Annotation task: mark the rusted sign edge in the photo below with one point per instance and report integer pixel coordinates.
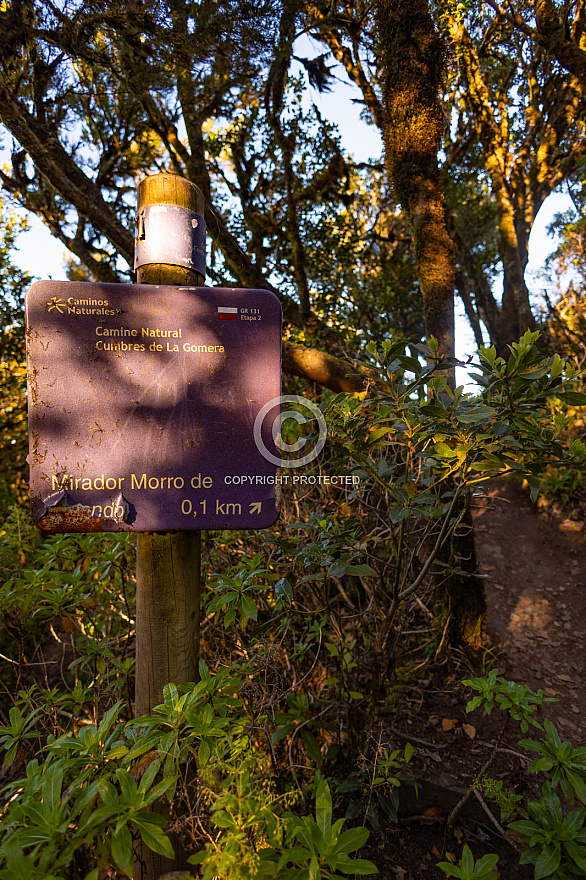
(58, 514)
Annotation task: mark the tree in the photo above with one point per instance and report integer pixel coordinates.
(98, 96)
(560, 31)
(13, 429)
(525, 115)
(411, 59)
(513, 129)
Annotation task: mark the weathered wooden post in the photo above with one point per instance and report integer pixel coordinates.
(167, 563)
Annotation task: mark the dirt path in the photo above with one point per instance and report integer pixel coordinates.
(536, 592)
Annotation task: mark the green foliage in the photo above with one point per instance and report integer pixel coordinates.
(13, 428)
(13, 283)
(298, 614)
(556, 845)
(425, 448)
(322, 847)
(555, 841)
(506, 799)
(507, 428)
(516, 699)
(566, 765)
(375, 787)
(469, 869)
(255, 838)
(12, 737)
(232, 592)
(89, 799)
(77, 585)
(317, 848)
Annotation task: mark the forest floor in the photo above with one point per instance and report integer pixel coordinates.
(535, 563)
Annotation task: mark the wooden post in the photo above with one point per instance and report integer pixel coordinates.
(168, 563)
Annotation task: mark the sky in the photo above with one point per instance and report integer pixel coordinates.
(44, 257)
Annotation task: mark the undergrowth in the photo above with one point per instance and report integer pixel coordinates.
(275, 762)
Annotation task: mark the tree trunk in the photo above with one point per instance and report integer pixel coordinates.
(515, 314)
(412, 57)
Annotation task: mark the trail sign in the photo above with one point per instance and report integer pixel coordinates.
(142, 406)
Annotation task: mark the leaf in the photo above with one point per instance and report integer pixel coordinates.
(52, 787)
(284, 590)
(312, 747)
(282, 731)
(148, 777)
(527, 828)
(127, 787)
(222, 819)
(117, 752)
(323, 807)
(396, 514)
(467, 860)
(314, 871)
(108, 720)
(450, 870)
(152, 834)
(170, 693)
(486, 864)
(474, 703)
(40, 814)
(338, 568)
(122, 850)
(364, 570)
(577, 784)
(577, 853)
(547, 862)
(349, 785)
(574, 398)
(361, 866)
(469, 730)
(535, 485)
(411, 364)
(448, 724)
(204, 753)
(108, 793)
(444, 451)
(352, 839)
(378, 433)
(248, 606)
(539, 372)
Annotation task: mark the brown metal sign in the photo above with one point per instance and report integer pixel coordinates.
(142, 406)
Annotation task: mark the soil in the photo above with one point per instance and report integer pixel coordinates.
(536, 585)
(534, 562)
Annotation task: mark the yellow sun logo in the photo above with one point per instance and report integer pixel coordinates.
(57, 303)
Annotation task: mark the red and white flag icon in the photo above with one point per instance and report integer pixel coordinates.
(225, 313)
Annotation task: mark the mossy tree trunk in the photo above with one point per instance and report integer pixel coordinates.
(412, 61)
(411, 55)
